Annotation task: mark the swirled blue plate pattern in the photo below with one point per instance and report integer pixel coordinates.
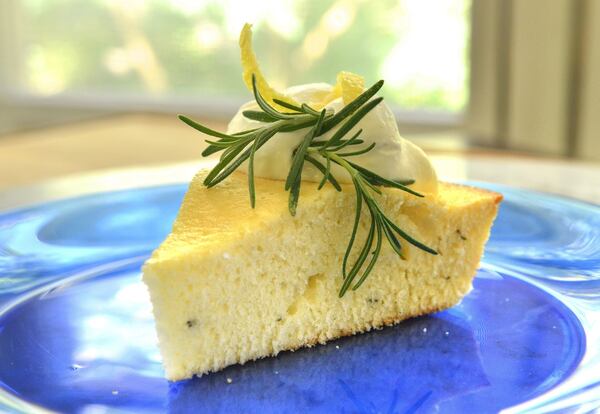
(77, 335)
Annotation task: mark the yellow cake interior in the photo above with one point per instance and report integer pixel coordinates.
(232, 284)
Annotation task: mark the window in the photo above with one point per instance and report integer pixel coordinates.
(186, 50)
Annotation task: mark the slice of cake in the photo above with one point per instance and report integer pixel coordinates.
(232, 284)
(345, 229)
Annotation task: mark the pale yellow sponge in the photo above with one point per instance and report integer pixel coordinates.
(232, 284)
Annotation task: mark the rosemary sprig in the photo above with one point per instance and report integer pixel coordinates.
(338, 149)
(365, 186)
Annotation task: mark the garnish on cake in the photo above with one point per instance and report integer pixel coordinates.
(232, 283)
(279, 114)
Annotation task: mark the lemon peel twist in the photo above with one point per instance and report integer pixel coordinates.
(348, 85)
(250, 67)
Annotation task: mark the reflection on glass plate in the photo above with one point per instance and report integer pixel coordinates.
(77, 335)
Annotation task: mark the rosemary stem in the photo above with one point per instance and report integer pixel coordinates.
(239, 147)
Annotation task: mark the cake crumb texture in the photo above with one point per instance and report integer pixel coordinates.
(232, 284)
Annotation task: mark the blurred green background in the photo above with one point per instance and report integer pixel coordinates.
(187, 48)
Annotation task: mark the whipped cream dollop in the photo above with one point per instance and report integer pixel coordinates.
(393, 157)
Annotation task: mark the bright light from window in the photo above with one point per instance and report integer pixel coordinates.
(188, 48)
(208, 36)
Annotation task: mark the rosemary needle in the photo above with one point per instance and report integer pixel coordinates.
(338, 149)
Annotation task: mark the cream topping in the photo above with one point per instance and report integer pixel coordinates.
(393, 156)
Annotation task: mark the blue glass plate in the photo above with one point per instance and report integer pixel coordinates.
(77, 335)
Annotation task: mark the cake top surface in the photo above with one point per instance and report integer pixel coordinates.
(214, 218)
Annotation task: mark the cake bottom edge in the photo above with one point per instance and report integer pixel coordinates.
(318, 339)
